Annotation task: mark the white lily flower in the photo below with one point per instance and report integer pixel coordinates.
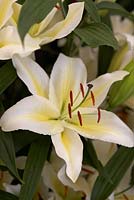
(53, 27)
(64, 107)
(61, 185)
(6, 11)
(124, 32)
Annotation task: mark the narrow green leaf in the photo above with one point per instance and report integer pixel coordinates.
(132, 177)
(7, 76)
(34, 165)
(125, 88)
(115, 170)
(92, 10)
(23, 138)
(97, 34)
(7, 153)
(33, 12)
(114, 8)
(90, 155)
(7, 196)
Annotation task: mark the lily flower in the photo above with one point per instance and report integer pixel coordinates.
(124, 32)
(65, 106)
(53, 27)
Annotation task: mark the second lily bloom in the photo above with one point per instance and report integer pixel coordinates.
(64, 106)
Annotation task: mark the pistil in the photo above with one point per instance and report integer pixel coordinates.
(88, 90)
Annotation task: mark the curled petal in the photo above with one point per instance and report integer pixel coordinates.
(32, 113)
(69, 147)
(66, 26)
(6, 11)
(110, 128)
(10, 43)
(101, 86)
(32, 75)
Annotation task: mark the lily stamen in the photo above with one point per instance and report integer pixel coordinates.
(58, 7)
(82, 90)
(69, 110)
(125, 197)
(66, 191)
(99, 115)
(93, 98)
(79, 117)
(87, 170)
(71, 97)
(84, 196)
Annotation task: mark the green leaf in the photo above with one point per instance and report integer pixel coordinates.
(132, 177)
(34, 165)
(114, 8)
(124, 87)
(23, 138)
(92, 10)
(104, 58)
(7, 196)
(33, 12)
(7, 153)
(90, 155)
(7, 76)
(114, 170)
(97, 34)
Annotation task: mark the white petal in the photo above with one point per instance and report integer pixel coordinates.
(5, 11)
(69, 147)
(32, 75)
(16, 11)
(130, 40)
(110, 128)
(101, 86)
(10, 43)
(32, 113)
(66, 76)
(80, 185)
(50, 179)
(66, 26)
(13, 189)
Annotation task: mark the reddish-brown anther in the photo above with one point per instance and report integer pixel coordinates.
(66, 191)
(93, 98)
(79, 117)
(99, 115)
(69, 110)
(58, 7)
(87, 170)
(71, 97)
(125, 197)
(82, 90)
